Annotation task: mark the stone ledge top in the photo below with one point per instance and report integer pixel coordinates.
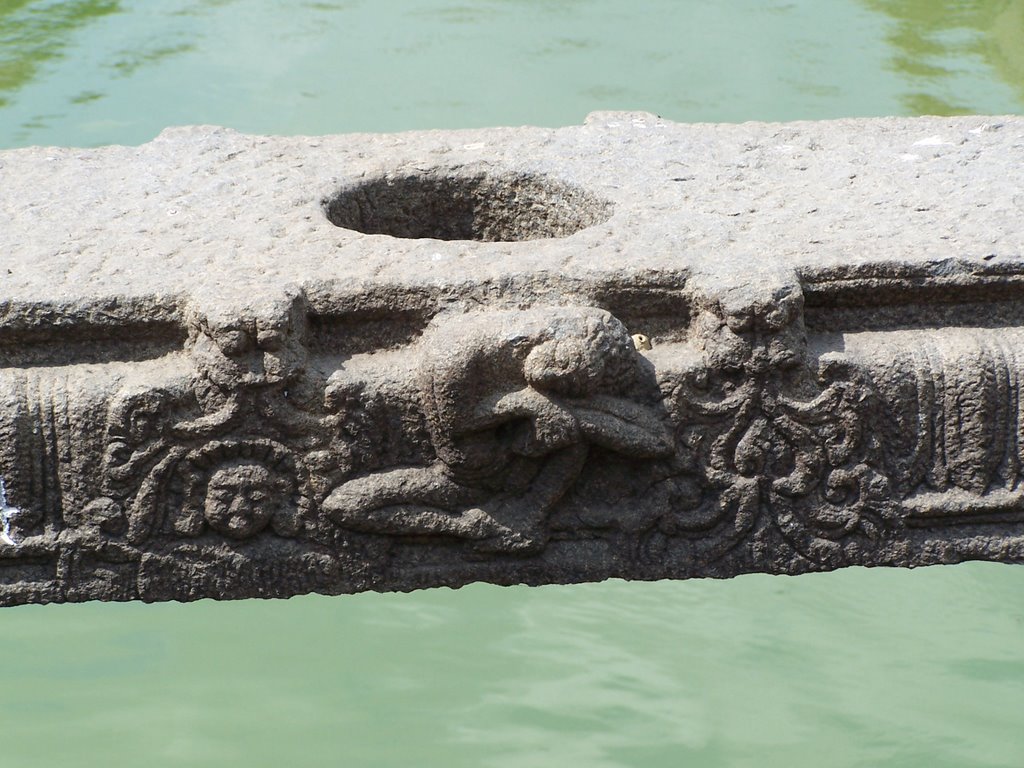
(206, 208)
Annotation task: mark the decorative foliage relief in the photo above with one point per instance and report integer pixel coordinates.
(548, 444)
(779, 438)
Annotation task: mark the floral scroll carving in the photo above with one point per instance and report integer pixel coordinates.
(778, 439)
(208, 453)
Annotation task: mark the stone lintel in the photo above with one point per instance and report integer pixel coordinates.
(236, 366)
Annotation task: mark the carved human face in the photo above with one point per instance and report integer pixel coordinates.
(241, 499)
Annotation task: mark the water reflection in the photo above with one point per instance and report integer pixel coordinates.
(71, 63)
(34, 33)
(866, 667)
(937, 44)
(88, 72)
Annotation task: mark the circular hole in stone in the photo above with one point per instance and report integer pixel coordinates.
(480, 207)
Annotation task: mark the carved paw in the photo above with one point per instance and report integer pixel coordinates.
(552, 430)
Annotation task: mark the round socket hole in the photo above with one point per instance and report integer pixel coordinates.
(480, 207)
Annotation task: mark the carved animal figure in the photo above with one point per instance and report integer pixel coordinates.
(512, 401)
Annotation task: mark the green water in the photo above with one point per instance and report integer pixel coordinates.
(857, 668)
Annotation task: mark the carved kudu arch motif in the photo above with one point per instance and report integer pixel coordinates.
(271, 454)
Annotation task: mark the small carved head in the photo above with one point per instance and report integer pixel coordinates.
(135, 415)
(588, 351)
(238, 490)
(136, 422)
(753, 326)
(242, 497)
(249, 345)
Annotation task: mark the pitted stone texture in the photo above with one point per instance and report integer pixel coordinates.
(201, 206)
(236, 366)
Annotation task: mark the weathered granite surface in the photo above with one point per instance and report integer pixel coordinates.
(236, 366)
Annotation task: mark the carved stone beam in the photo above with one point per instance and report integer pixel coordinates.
(237, 366)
